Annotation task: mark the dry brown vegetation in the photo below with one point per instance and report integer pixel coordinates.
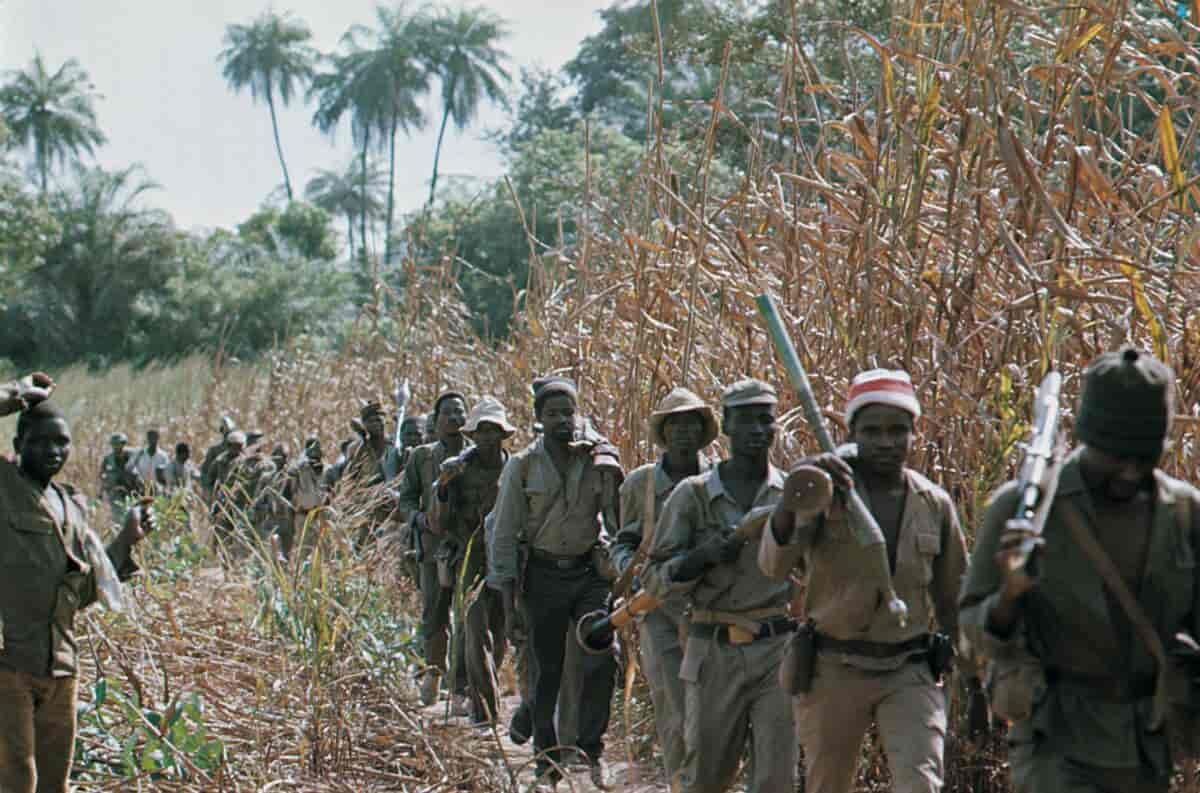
(1016, 192)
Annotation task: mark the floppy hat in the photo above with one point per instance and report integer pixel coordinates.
(489, 410)
(681, 400)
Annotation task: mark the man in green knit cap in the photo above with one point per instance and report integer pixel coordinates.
(1072, 668)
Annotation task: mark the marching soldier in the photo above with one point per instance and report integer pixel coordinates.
(146, 461)
(272, 511)
(306, 491)
(208, 479)
(739, 618)
(682, 425)
(552, 495)
(114, 481)
(415, 499)
(1077, 641)
(466, 492)
(867, 667)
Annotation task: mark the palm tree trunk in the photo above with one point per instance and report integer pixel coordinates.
(350, 233)
(391, 202)
(362, 221)
(437, 154)
(287, 181)
(43, 162)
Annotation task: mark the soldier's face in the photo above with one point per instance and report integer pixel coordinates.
(487, 437)
(683, 433)
(313, 450)
(751, 429)
(44, 448)
(884, 435)
(558, 418)
(118, 447)
(152, 439)
(1118, 477)
(235, 449)
(451, 417)
(411, 436)
(373, 424)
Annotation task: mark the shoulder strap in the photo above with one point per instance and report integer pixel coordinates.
(1087, 542)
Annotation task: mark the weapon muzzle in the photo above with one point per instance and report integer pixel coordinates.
(594, 632)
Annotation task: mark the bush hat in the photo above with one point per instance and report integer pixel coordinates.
(681, 400)
(488, 411)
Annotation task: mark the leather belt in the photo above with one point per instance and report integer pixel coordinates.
(560, 562)
(916, 645)
(775, 626)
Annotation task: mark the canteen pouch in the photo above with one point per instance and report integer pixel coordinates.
(941, 656)
(1015, 684)
(799, 662)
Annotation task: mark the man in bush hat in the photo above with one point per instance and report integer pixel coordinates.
(739, 619)
(1088, 709)
(52, 565)
(552, 496)
(868, 667)
(416, 500)
(114, 481)
(208, 478)
(682, 426)
(465, 493)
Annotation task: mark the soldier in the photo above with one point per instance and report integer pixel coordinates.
(237, 474)
(739, 619)
(272, 511)
(145, 461)
(179, 474)
(365, 466)
(682, 425)
(1064, 643)
(305, 490)
(867, 666)
(416, 492)
(466, 492)
(114, 481)
(54, 566)
(411, 437)
(552, 495)
(211, 455)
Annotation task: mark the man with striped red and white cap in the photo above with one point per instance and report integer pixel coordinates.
(867, 667)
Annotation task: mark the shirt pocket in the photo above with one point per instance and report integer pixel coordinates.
(929, 546)
(32, 541)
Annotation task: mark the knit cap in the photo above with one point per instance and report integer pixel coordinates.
(882, 387)
(1126, 404)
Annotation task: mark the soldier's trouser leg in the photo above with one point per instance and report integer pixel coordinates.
(570, 693)
(554, 600)
(435, 616)
(1039, 768)
(37, 732)
(832, 719)
(734, 688)
(661, 654)
(485, 648)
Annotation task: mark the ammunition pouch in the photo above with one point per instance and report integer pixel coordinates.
(799, 663)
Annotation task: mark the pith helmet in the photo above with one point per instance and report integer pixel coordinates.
(681, 400)
(489, 410)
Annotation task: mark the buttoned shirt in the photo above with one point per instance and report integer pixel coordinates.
(47, 573)
(845, 604)
(552, 513)
(416, 487)
(143, 464)
(699, 508)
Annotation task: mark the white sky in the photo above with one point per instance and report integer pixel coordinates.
(164, 103)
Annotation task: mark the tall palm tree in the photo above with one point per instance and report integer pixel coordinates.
(341, 193)
(52, 111)
(461, 48)
(272, 57)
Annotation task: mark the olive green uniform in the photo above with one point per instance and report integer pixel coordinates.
(1089, 730)
(869, 667)
(114, 484)
(46, 576)
(731, 691)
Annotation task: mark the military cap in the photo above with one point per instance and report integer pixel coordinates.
(748, 392)
(118, 437)
(1126, 404)
(489, 411)
(546, 387)
(678, 401)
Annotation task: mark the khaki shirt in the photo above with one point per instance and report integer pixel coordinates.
(113, 478)
(633, 519)
(698, 508)
(538, 506)
(45, 575)
(416, 487)
(931, 556)
(1068, 623)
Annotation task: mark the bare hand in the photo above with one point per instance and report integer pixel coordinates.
(34, 388)
(721, 549)
(450, 469)
(139, 522)
(838, 469)
(1011, 560)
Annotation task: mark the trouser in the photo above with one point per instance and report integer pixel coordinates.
(662, 654)
(485, 645)
(37, 732)
(1051, 772)
(570, 690)
(731, 693)
(554, 600)
(436, 601)
(907, 706)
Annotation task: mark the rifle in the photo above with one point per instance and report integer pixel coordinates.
(1038, 479)
(863, 524)
(598, 623)
(403, 393)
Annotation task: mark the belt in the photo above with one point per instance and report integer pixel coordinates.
(560, 562)
(917, 645)
(1117, 690)
(775, 626)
